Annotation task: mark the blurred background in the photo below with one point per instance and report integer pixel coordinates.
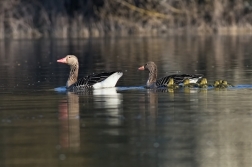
(98, 18)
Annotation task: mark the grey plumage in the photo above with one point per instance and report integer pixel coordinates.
(153, 82)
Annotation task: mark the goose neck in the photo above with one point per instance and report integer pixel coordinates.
(73, 75)
(152, 77)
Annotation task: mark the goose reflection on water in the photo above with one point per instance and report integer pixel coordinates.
(69, 121)
(107, 103)
(69, 113)
(110, 100)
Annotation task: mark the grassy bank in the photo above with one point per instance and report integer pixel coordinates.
(85, 18)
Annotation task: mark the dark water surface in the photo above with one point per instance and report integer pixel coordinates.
(127, 126)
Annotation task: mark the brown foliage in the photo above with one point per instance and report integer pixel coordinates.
(80, 19)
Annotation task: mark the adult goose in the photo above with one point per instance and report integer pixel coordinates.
(93, 81)
(152, 82)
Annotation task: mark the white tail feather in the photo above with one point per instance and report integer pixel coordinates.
(109, 82)
(193, 80)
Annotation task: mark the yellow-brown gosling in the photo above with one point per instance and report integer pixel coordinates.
(171, 84)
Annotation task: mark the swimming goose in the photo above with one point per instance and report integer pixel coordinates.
(152, 82)
(222, 84)
(203, 83)
(93, 81)
(171, 84)
(216, 84)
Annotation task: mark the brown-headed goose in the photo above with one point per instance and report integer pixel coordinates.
(93, 81)
(152, 82)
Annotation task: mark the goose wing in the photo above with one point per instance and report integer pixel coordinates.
(162, 81)
(88, 81)
(178, 78)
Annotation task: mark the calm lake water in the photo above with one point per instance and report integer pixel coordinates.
(128, 125)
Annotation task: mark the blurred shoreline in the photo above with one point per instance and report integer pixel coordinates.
(25, 19)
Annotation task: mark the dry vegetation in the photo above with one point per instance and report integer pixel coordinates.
(84, 18)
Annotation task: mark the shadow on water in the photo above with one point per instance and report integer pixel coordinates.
(127, 125)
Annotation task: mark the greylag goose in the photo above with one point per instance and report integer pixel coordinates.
(152, 82)
(93, 81)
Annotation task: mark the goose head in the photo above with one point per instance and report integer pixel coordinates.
(69, 59)
(72, 61)
(152, 68)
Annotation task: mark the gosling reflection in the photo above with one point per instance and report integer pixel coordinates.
(69, 122)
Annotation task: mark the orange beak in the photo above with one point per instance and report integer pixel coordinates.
(63, 60)
(141, 68)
